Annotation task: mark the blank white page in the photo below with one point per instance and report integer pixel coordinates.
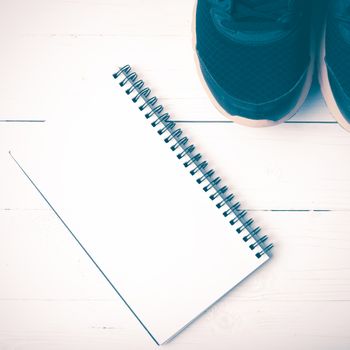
(142, 217)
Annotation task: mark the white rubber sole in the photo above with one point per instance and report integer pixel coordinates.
(326, 86)
(243, 120)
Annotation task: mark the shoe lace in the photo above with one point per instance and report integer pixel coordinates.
(267, 13)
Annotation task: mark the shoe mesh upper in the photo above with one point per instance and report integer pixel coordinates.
(254, 73)
(338, 54)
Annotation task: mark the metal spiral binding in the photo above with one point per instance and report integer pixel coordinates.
(192, 160)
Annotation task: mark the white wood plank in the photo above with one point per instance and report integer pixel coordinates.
(243, 325)
(290, 167)
(53, 298)
(40, 260)
(96, 18)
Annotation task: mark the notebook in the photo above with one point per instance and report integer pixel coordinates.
(145, 206)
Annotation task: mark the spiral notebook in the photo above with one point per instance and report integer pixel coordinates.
(144, 205)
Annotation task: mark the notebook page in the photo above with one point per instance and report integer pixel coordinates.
(139, 213)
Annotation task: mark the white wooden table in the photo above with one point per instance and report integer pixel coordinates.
(294, 178)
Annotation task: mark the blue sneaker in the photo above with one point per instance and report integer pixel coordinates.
(255, 57)
(334, 69)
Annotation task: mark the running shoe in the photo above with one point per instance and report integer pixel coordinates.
(254, 57)
(334, 66)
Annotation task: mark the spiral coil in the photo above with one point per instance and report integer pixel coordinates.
(192, 160)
